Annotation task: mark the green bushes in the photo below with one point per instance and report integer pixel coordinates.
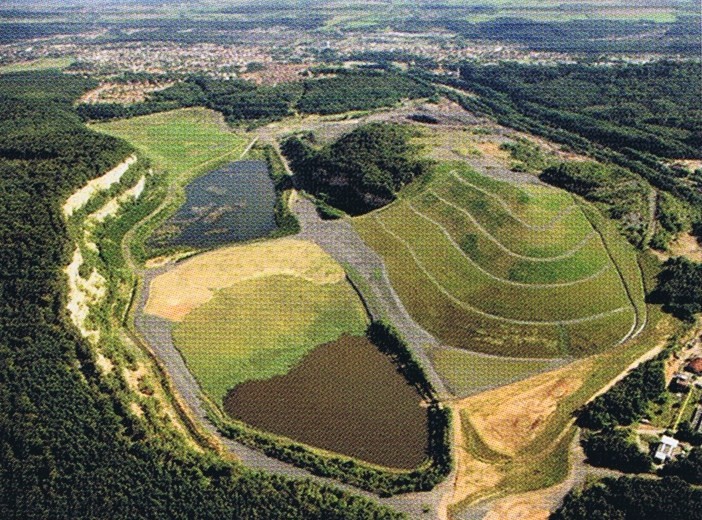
(613, 449)
(285, 219)
(632, 499)
(621, 193)
(680, 288)
(243, 101)
(626, 401)
(361, 171)
(687, 467)
(359, 91)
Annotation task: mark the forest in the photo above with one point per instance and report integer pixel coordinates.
(361, 171)
(653, 108)
(244, 102)
(632, 499)
(68, 448)
(679, 288)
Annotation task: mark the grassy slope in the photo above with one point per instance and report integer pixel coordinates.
(467, 373)
(432, 245)
(262, 327)
(40, 64)
(182, 144)
(180, 140)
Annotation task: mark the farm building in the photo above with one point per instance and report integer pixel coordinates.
(695, 366)
(665, 449)
(681, 382)
(696, 421)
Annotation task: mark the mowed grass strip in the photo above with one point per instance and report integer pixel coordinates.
(447, 321)
(180, 140)
(534, 206)
(584, 262)
(467, 373)
(467, 289)
(565, 233)
(429, 249)
(262, 327)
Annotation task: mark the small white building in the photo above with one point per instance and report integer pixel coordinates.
(665, 449)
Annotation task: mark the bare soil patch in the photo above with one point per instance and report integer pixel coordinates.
(81, 197)
(508, 418)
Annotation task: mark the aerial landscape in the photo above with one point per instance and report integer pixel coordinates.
(397, 259)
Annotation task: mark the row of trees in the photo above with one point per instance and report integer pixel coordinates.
(68, 446)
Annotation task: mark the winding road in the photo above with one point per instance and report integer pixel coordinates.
(340, 240)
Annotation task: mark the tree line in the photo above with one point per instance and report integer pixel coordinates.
(245, 102)
(68, 446)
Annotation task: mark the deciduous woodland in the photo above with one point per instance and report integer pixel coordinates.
(71, 448)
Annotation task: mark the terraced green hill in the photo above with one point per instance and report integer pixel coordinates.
(500, 268)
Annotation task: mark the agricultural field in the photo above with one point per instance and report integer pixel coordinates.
(506, 269)
(181, 140)
(35, 65)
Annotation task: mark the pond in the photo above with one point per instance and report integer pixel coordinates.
(345, 397)
(230, 204)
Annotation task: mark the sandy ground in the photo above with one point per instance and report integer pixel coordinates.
(80, 197)
(175, 293)
(687, 245)
(510, 417)
(82, 294)
(113, 205)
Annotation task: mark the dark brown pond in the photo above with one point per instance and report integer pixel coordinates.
(345, 397)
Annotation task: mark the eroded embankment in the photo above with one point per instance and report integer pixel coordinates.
(78, 199)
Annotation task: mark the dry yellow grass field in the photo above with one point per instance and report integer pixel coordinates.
(194, 282)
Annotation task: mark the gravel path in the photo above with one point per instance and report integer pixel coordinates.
(340, 240)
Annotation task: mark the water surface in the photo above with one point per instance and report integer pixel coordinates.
(230, 204)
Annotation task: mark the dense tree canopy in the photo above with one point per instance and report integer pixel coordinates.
(621, 193)
(632, 499)
(613, 449)
(68, 446)
(243, 101)
(626, 401)
(680, 288)
(360, 171)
